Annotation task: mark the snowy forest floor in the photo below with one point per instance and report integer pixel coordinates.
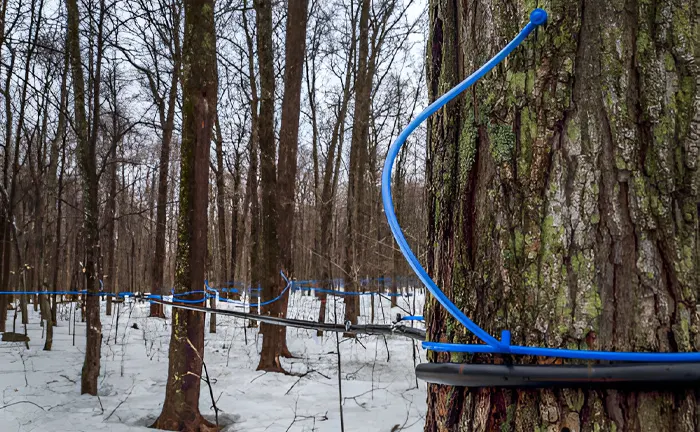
(41, 390)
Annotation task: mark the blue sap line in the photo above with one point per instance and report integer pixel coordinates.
(492, 345)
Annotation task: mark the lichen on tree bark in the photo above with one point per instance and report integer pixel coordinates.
(571, 173)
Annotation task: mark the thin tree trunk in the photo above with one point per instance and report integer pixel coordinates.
(331, 175)
(87, 165)
(561, 204)
(358, 152)
(221, 218)
(252, 195)
(200, 81)
(167, 123)
(236, 232)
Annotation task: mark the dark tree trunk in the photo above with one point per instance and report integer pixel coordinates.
(295, 46)
(269, 356)
(88, 171)
(200, 80)
(358, 158)
(222, 278)
(236, 232)
(167, 123)
(111, 204)
(563, 202)
(252, 192)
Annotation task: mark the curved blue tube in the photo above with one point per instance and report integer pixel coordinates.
(243, 304)
(537, 17)
(492, 345)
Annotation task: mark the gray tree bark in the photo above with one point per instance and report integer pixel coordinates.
(563, 193)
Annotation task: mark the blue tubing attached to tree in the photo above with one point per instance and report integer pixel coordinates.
(492, 345)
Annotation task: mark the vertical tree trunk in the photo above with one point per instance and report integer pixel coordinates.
(111, 204)
(200, 81)
(5, 245)
(167, 123)
(236, 232)
(295, 46)
(222, 277)
(55, 188)
(252, 180)
(88, 171)
(563, 202)
(269, 357)
(358, 157)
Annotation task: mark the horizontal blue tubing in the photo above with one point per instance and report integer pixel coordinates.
(492, 345)
(412, 318)
(244, 304)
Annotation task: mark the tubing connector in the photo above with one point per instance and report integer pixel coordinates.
(538, 16)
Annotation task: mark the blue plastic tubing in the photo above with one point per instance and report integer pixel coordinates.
(492, 345)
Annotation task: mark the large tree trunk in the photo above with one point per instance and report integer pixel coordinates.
(358, 159)
(563, 193)
(269, 356)
(88, 170)
(200, 80)
(295, 45)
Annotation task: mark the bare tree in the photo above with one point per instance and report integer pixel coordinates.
(200, 81)
(87, 141)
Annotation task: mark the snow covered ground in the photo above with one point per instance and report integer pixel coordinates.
(41, 390)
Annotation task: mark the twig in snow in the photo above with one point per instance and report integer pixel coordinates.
(120, 403)
(21, 402)
(264, 373)
(100, 401)
(297, 381)
(211, 393)
(24, 366)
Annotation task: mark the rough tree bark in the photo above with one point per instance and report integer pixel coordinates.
(563, 194)
(269, 357)
(88, 171)
(181, 407)
(358, 159)
(295, 46)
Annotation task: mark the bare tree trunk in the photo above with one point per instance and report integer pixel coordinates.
(295, 46)
(358, 157)
(167, 123)
(252, 183)
(88, 170)
(269, 356)
(236, 232)
(562, 197)
(200, 81)
(5, 214)
(111, 204)
(221, 218)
